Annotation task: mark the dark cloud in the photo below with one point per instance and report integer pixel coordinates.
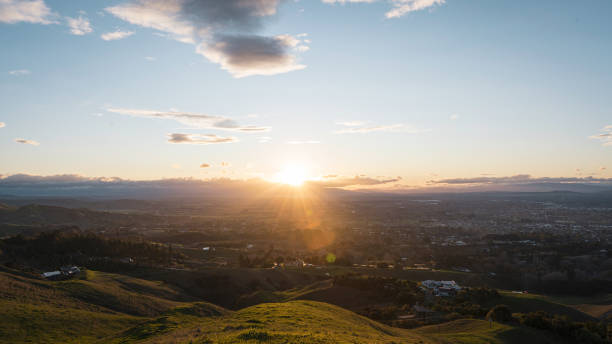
(244, 55)
(71, 185)
(224, 31)
(199, 139)
(231, 15)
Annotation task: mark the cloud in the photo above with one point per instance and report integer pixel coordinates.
(18, 72)
(150, 58)
(201, 121)
(72, 185)
(264, 139)
(605, 136)
(199, 139)
(28, 11)
(115, 35)
(347, 1)
(454, 117)
(246, 55)
(399, 7)
(2, 125)
(519, 179)
(27, 142)
(361, 128)
(205, 165)
(223, 31)
(79, 26)
(225, 164)
(335, 181)
(297, 142)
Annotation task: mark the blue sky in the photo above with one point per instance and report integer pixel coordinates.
(449, 89)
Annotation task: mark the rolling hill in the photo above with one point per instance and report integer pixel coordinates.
(111, 308)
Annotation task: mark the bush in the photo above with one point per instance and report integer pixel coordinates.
(500, 313)
(256, 335)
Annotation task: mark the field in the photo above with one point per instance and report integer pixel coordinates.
(596, 306)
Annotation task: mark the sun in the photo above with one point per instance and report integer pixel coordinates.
(294, 175)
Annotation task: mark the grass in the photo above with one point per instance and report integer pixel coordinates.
(482, 332)
(28, 323)
(320, 323)
(109, 308)
(82, 310)
(122, 294)
(525, 303)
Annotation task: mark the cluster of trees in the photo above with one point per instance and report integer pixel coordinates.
(587, 333)
(399, 295)
(467, 302)
(54, 248)
(264, 261)
(400, 292)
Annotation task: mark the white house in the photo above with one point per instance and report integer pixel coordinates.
(441, 288)
(51, 274)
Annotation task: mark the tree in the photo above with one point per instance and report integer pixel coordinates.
(500, 313)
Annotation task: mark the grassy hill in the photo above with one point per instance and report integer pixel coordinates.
(110, 308)
(576, 307)
(81, 310)
(316, 322)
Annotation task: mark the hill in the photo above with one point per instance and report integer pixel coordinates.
(102, 307)
(317, 322)
(85, 309)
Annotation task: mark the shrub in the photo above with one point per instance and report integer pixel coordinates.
(500, 313)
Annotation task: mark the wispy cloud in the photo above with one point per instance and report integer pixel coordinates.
(225, 32)
(199, 139)
(399, 7)
(79, 26)
(402, 7)
(454, 117)
(204, 165)
(196, 120)
(150, 58)
(2, 124)
(605, 136)
(264, 139)
(519, 179)
(362, 128)
(335, 181)
(27, 142)
(28, 11)
(18, 72)
(115, 35)
(298, 142)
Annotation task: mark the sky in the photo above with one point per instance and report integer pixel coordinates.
(398, 93)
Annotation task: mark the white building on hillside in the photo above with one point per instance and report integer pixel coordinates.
(441, 288)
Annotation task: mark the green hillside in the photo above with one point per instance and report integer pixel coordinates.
(82, 310)
(101, 308)
(316, 322)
